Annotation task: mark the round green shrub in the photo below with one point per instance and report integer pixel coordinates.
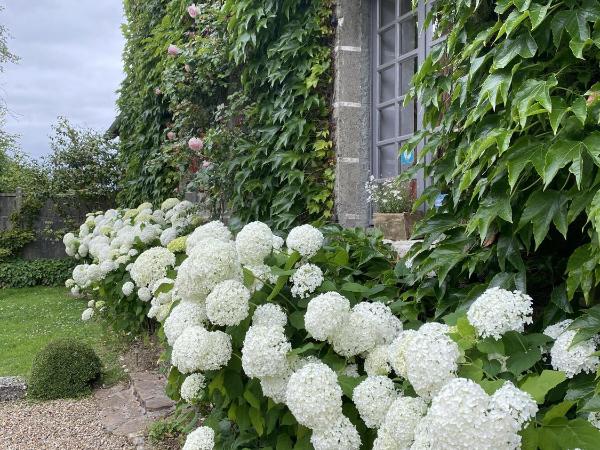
(65, 368)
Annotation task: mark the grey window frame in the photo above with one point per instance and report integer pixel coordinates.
(425, 42)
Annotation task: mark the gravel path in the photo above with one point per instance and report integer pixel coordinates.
(58, 424)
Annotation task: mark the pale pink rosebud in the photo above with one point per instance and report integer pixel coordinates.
(193, 10)
(157, 91)
(173, 50)
(196, 144)
(206, 164)
(171, 135)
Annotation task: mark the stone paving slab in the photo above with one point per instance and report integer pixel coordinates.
(12, 388)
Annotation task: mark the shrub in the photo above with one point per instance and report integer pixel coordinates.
(20, 273)
(63, 369)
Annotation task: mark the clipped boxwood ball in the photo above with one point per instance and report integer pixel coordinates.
(65, 368)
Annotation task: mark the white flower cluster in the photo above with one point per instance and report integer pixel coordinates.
(254, 243)
(305, 280)
(265, 349)
(350, 331)
(202, 438)
(197, 349)
(373, 398)
(212, 230)
(497, 311)
(572, 359)
(151, 266)
(192, 387)
(227, 304)
(306, 240)
(182, 316)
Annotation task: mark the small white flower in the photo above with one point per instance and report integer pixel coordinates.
(373, 397)
(306, 240)
(270, 315)
(127, 288)
(573, 359)
(264, 353)
(254, 243)
(325, 315)
(198, 350)
(212, 230)
(192, 387)
(144, 294)
(227, 304)
(341, 435)
(87, 314)
(305, 280)
(202, 438)
(184, 315)
(401, 420)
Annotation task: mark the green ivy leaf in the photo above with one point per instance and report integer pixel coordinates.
(539, 385)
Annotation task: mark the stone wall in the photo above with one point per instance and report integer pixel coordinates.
(351, 111)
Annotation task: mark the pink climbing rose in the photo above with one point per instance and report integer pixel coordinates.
(206, 164)
(171, 135)
(196, 144)
(193, 10)
(173, 50)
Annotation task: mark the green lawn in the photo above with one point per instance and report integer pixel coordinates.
(32, 317)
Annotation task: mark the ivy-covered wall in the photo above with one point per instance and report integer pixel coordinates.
(250, 84)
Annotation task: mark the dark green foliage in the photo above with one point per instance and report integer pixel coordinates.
(20, 273)
(65, 368)
(11, 241)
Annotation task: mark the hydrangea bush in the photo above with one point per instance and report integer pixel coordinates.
(305, 342)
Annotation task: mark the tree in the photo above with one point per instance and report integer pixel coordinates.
(83, 162)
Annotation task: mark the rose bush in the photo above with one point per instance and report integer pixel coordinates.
(345, 365)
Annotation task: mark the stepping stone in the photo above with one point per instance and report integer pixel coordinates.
(12, 388)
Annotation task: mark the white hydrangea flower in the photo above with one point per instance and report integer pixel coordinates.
(75, 291)
(277, 242)
(262, 274)
(431, 359)
(594, 419)
(511, 400)
(342, 435)
(151, 265)
(168, 235)
(87, 314)
(127, 288)
(144, 294)
(207, 265)
(169, 203)
(91, 304)
(254, 243)
(184, 315)
(227, 304)
(351, 370)
(202, 438)
(69, 283)
(497, 311)
(192, 387)
(325, 315)
(306, 240)
(159, 283)
(554, 331)
(275, 387)
(305, 280)
(382, 322)
(575, 359)
(314, 396)
(198, 350)
(264, 352)
(211, 230)
(354, 336)
(377, 361)
(373, 397)
(401, 420)
(270, 315)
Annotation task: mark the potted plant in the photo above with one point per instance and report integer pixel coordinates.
(392, 199)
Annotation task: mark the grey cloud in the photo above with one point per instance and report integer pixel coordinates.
(70, 66)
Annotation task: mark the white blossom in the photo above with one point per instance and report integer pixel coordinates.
(207, 265)
(184, 315)
(305, 280)
(275, 386)
(202, 438)
(382, 322)
(573, 359)
(264, 352)
(192, 387)
(400, 422)
(314, 396)
(511, 400)
(373, 397)
(554, 331)
(377, 361)
(269, 314)
(151, 265)
(341, 435)
(144, 294)
(497, 311)
(227, 304)
(306, 240)
(277, 242)
(254, 243)
(215, 230)
(354, 336)
(198, 350)
(325, 315)
(87, 314)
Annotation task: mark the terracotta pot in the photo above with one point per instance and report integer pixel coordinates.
(396, 226)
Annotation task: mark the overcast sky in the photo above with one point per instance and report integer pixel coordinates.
(70, 66)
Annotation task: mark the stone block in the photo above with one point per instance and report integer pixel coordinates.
(12, 388)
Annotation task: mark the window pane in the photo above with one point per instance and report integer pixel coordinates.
(387, 122)
(387, 84)
(388, 161)
(407, 70)
(405, 6)
(387, 45)
(408, 35)
(408, 118)
(387, 12)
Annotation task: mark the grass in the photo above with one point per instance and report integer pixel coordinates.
(32, 317)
